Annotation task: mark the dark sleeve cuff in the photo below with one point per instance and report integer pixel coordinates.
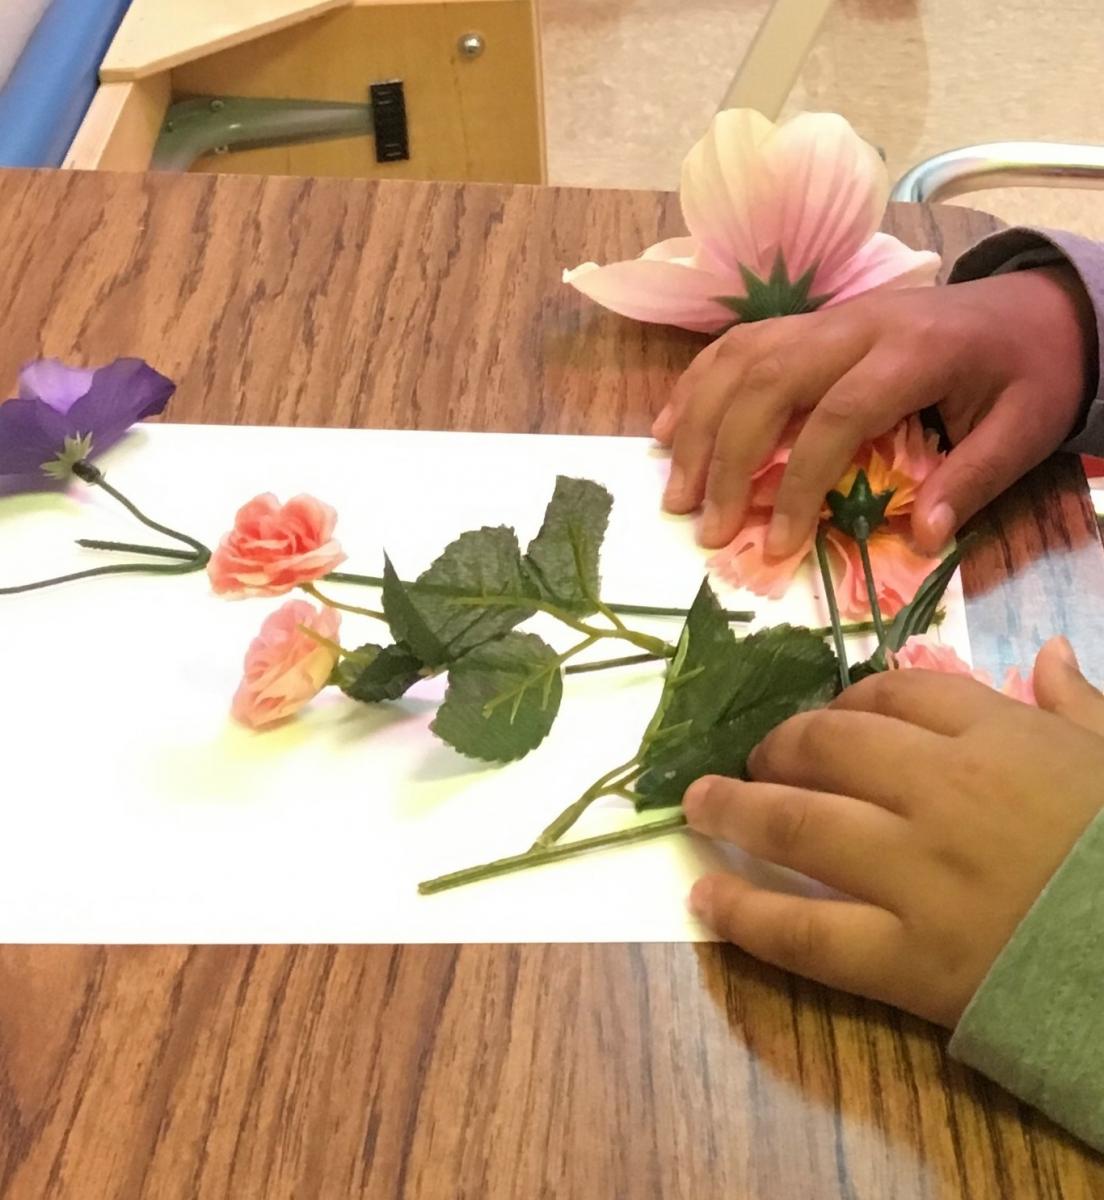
(1017, 249)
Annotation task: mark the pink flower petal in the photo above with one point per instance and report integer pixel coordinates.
(827, 195)
(923, 653)
(649, 289)
(898, 572)
(882, 262)
(744, 564)
(680, 250)
(1017, 687)
(721, 191)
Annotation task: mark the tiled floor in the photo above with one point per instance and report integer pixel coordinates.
(630, 84)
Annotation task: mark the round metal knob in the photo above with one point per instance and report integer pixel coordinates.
(471, 45)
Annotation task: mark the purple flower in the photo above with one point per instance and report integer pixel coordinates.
(63, 414)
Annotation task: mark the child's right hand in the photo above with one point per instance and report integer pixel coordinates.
(1005, 359)
(940, 805)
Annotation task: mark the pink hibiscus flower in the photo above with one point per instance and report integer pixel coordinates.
(800, 201)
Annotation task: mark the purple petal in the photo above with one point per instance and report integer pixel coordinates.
(52, 382)
(31, 433)
(126, 391)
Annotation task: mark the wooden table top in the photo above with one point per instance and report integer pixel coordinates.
(484, 1072)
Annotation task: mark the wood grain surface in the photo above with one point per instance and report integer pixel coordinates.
(475, 1072)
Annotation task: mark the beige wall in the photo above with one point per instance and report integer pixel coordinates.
(631, 83)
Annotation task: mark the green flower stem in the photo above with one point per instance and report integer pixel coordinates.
(862, 537)
(734, 616)
(626, 610)
(92, 475)
(633, 660)
(183, 568)
(604, 664)
(609, 784)
(311, 590)
(645, 641)
(833, 607)
(132, 548)
(550, 854)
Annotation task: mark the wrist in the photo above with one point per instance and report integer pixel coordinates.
(1066, 319)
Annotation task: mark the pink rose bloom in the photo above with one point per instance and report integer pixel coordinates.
(274, 547)
(899, 461)
(285, 668)
(922, 653)
(806, 195)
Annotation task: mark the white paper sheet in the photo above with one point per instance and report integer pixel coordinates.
(135, 811)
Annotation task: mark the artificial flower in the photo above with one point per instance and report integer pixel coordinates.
(899, 462)
(285, 668)
(275, 547)
(782, 218)
(64, 414)
(922, 653)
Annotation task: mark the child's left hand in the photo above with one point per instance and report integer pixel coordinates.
(940, 805)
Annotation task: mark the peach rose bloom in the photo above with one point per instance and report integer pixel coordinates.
(899, 461)
(285, 668)
(274, 547)
(926, 655)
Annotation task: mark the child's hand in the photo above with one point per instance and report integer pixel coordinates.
(1003, 358)
(940, 805)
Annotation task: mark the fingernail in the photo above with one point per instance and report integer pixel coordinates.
(701, 900)
(1066, 652)
(750, 762)
(942, 522)
(675, 485)
(693, 801)
(778, 536)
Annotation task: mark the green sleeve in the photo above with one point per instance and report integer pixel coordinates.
(1036, 1024)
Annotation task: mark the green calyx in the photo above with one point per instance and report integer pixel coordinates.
(776, 296)
(861, 511)
(75, 449)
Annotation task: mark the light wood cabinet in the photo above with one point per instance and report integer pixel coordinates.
(469, 116)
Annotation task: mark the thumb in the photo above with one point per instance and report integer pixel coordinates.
(1061, 688)
(1005, 444)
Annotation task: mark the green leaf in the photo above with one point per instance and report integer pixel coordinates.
(778, 296)
(563, 557)
(916, 617)
(374, 673)
(725, 696)
(502, 698)
(695, 686)
(406, 621)
(861, 511)
(475, 590)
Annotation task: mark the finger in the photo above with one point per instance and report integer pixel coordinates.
(1008, 441)
(942, 704)
(841, 943)
(881, 390)
(861, 754)
(770, 366)
(663, 427)
(700, 417)
(747, 436)
(1061, 688)
(855, 847)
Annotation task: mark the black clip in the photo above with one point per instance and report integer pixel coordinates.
(389, 121)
